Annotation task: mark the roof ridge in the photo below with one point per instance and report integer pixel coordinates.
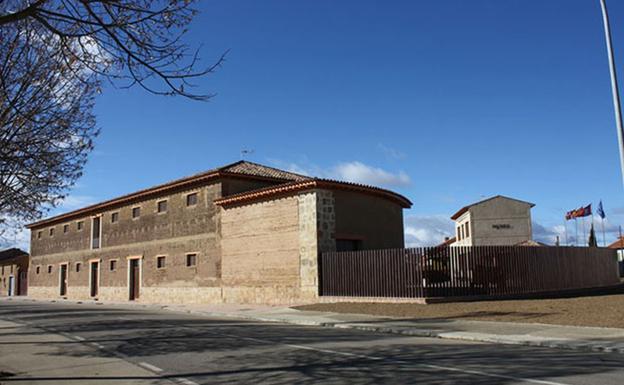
(271, 173)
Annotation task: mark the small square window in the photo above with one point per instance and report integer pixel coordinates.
(191, 260)
(160, 262)
(162, 206)
(136, 212)
(114, 217)
(65, 229)
(79, 225)
(52, 231)
(49, 269)
(191, 199)
(78, 266)
(39, 234)
(113, 265)
(38, 270)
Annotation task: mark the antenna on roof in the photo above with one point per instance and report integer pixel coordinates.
(245, 152)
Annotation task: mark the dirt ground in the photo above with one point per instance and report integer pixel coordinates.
(603, 311)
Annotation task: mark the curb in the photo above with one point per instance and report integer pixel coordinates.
(577, 345)
(581, 345)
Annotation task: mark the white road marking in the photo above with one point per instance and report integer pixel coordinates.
(429, 366)
(78, 338)
(185, 381)
(150, 367)
(99, 346)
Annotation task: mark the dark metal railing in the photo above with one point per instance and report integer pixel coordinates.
(465, 271)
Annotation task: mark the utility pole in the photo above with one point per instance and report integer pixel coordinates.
(614, 85)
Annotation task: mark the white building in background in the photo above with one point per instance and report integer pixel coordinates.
(496, 221)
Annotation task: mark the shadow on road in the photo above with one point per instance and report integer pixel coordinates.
(225, 351)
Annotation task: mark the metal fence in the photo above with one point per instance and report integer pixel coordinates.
(465, 271)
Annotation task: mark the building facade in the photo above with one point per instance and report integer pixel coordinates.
(13, 272)
(496, 221)
(243, 233)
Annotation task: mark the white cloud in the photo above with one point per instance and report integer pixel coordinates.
(354, 171)
(14, 235)
(359, 172)
(427, 230)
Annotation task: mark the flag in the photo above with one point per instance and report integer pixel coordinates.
(579, 213)
(600, 210)
(583, 212)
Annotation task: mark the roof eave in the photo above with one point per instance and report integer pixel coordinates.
(142, 194)
(289, 188)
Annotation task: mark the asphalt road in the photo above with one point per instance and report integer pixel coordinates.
(134, 345)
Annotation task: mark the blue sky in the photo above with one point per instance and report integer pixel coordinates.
(445, 102)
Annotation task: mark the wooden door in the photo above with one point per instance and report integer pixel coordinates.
(22, 283)
(63, 280)
(135, 279)
(94, 281)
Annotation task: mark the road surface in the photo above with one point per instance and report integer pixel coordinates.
(68, 343)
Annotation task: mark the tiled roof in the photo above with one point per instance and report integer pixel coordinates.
(306, 184)
(239, 169)
(447, 242)
(8, 254)
(254, 169)
(619, 244)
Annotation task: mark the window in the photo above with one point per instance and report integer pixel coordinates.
(95, 232)
(78, 265)
(161, 207)
(79, 225)
(65, 229)
(191, 260)
(113, 265)
(467, 229)
(160, 262)
(49, 269)
(191, 199)
(38, 234)
(38, 269)
(458, 234)
(51, 231)
(114, 217)
(136, 212)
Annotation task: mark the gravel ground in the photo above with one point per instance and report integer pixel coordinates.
(602, 311)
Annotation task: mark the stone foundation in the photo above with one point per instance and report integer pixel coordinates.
(180, 295)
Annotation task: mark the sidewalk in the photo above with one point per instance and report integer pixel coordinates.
(551, 336)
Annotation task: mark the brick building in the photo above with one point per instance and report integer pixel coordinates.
(13, 272)
(242, 233)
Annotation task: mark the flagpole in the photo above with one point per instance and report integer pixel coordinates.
(565, 230)
(604, 239)
(576, 226)
(614, 84)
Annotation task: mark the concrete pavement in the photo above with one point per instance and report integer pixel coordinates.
(551, 336)
(595, 339)
(192, 349)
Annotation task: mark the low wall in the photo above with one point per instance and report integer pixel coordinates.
(277, 295)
